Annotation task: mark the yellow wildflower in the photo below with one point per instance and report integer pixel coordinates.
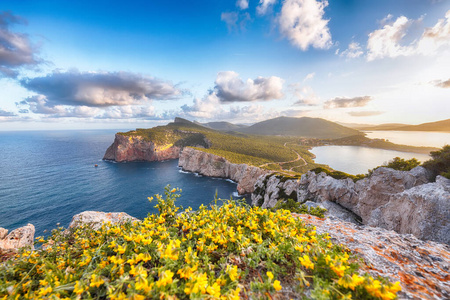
(270, 275)
(277, 285)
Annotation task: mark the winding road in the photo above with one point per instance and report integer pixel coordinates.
(286, 162)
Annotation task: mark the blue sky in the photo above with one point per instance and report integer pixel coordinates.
(117, 64)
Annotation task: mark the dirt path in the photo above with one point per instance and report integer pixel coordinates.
(286, 162)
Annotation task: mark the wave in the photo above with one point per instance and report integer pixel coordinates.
(229, 180)
(183, 172)
(236, 195)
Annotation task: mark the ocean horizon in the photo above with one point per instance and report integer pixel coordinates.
(49, 176)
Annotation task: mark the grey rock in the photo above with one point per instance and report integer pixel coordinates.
(97, 218)
(18, 238)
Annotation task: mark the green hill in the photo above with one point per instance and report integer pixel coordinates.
(300, 127)
(223, 126)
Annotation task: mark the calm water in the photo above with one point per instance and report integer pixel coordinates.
(413, 138)
(357, 160)
(47, 177)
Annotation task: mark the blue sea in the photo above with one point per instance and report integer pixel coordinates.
(46, 177)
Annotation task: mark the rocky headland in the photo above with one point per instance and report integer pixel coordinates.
(403, 201)
(137, 148)
(208, 164)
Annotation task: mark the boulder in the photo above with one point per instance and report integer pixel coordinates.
(423, 268)
(97, 218)
(18, 238)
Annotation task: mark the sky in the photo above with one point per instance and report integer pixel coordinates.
(129, 64)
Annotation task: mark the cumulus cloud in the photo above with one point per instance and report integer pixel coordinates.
(305, 95)
(390, 41)
(264, 6)
(365, 113)
(385, 42)
(16, 50)
(4, 113)
(302, 22)
(242, 4)
(342, 102)
(442, 84)
(210, 108)
(235, 21)
(99, 89)
(354, 50)
(436, 37)
(230, 88)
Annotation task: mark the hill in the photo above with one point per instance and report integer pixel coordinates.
(443, 126)
(301, 127)
(223, 126)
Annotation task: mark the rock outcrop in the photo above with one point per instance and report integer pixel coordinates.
(395, 200)
(208, 164)
(97, 218)
(423, 268)
(18, 238)
(136, 148)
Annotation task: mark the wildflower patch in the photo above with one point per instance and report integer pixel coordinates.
(227, 251)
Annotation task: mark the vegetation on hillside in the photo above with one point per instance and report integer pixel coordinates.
(226, 252)
(260, 151)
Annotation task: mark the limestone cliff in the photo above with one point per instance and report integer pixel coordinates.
(395, 200)
(208, 164)
(136, 148)
(16, 239)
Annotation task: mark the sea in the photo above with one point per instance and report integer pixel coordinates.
(46, 177)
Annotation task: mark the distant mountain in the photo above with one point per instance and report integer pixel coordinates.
(443, 125)
(356, 126)
(305, 127)
(223, 126)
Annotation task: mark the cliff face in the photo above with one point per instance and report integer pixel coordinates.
(135, 148)
(402, 201)
(215, 166)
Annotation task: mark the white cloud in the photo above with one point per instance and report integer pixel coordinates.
(264, 6)
(343, 102)
(230, 88)
(302, 22)
(354, 50)
(436, 37)
(242, 4)
(385, 42)
(309, 76)
(389, 41)
(305, 96)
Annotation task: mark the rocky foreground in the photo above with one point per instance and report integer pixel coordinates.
(423, 268)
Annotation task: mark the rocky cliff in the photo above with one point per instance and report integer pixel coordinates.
(16, 239)
(136, 148)
(395, 200)
(208, 164)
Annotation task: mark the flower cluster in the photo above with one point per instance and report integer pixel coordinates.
(225, 251)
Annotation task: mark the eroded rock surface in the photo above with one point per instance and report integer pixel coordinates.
(136, 148)
(18, 238)
(423, 268)
(395, 200)
(97, 218)
(208, 164)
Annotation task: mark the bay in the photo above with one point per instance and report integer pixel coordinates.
(358, 160)
(46, 177)
(412, 138)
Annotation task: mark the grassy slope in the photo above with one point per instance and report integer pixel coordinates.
(443, 126)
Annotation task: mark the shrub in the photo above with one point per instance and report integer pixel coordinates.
(439, 164)
(225, 252)
(294, 206)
